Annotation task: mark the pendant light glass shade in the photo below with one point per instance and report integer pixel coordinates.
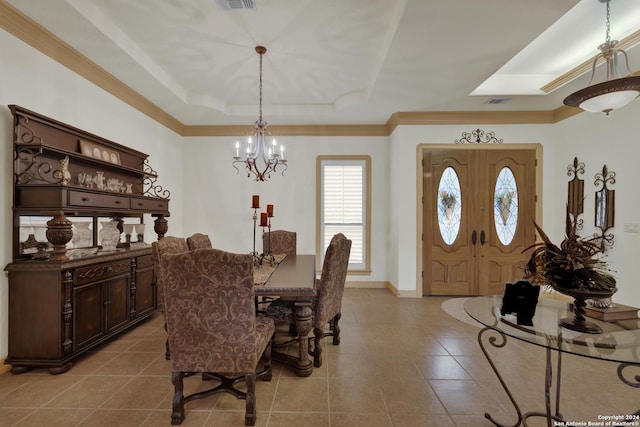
(616, 91)
(607, 96)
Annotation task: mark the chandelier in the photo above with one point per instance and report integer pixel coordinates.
(259, 159)
(616, 91)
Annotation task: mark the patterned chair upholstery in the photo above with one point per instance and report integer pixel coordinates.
(166, 245)
(199, 241)
(327, 304)
(282, 242)
(212, 325)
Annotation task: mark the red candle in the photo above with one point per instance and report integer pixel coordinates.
(255, 201)
(270, 210)
(263, 219)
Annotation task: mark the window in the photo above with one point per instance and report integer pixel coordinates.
(343, 203)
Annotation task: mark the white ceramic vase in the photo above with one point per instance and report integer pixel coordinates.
(109, 235)
(82, 235)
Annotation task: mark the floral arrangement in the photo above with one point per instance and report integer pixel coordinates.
(448, 199)
(574, 265)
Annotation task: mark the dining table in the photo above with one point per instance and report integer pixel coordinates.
(292, 277)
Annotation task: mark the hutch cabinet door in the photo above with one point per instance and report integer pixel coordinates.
(145, 300)
(88, 314)
(117, 302)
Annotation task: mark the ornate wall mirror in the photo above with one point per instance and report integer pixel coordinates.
(605, 207)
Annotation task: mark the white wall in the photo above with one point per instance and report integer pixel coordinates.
(34, 81)
(597, 140)
(218, 201)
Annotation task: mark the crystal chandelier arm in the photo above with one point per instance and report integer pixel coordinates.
(281, 162)
(234, 165)
(260, 152)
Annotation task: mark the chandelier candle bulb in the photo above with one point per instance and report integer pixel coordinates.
(281, 151)
(263, 219)
(270, 211)
(255, 201)
(237, 149)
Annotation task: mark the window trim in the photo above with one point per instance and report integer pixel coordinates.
(367, 206)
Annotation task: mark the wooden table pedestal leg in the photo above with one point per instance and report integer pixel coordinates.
(303, 316)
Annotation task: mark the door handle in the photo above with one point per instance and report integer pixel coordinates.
(482, 239)
(474, 237)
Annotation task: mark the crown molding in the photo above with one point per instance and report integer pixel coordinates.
(38, 37)
(289, 130)
(469, 117)
(626, 43)
(564, 112)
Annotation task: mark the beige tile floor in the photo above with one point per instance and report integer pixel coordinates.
(402, 362)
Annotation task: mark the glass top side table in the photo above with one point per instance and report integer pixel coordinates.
(619, 342)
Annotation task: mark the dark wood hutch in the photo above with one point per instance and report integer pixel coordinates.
(67, 296)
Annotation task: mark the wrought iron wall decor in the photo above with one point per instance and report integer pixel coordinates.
(153, 189)
(575, 192)
(605, 207)
(478, 134)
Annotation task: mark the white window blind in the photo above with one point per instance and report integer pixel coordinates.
(343, 206)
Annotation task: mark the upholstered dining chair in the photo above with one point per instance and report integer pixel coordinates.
(199, 241)
(282, 242)
(166, 245)
(213, 328)
(327, 305)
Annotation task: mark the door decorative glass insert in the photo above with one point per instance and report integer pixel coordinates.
(449, 205)
(506, 206)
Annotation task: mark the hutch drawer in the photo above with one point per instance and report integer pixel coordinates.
(83, 198)
(102, 271)
(149, 204)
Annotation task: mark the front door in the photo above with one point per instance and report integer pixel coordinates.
(479, 207)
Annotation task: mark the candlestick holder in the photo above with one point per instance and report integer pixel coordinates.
(257, 259)
(268, 255)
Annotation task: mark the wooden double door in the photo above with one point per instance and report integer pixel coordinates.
(478, 212)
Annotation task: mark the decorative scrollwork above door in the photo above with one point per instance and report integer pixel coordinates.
(478, 135)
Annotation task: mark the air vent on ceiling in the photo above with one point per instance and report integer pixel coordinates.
(236, 4)
(497, 101)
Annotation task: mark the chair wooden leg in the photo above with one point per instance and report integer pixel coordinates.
(266, 357)
(336, 329)
(317, 347)
(167, 354)
(250, 411)
(177, 416)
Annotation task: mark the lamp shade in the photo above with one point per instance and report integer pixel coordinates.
(607, 96)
